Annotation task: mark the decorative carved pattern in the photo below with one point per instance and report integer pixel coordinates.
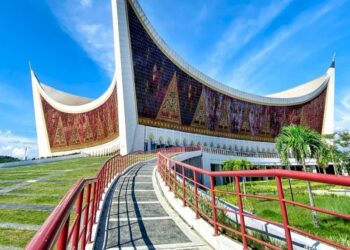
(69, 131)
(170, 108)
(60, 138)
(200, 116)
(197, 108)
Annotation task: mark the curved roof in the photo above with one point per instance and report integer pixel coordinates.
(306, 91)
(71, 103)
(65, 98)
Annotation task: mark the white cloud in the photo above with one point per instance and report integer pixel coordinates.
(346, 102)
(342, 113)
(91, 28)
(242, 76)
(86, 3)
(14, 145)
(242, 30)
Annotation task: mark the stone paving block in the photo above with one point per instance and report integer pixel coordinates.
(136, 186)
(149, 233)
(135, 210)
(139, 196)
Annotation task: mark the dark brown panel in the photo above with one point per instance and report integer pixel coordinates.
(68, 131)
(203, 110)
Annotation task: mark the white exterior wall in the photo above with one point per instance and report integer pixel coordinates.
(255, 146)
(208, 159)
(41, 132)
(328, 119)
(127, 110)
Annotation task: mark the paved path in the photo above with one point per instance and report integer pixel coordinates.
(135, 216)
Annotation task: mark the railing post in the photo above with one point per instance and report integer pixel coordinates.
(114, 167)
(118, 165)
(168, 175)
(241, 212)
(183, 186)
(213, 206)
(109, 171)
(62, 238)
(93, 212)
(284, 212)
(76, 232)
(174, 182)
(158, 167)
(86, 216)
(103, 181)
(195, 194)
(99, 184)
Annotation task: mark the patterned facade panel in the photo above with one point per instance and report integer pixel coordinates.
(69, 131)
(191, 106)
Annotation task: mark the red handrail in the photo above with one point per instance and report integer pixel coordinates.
(176, 174)
(57, 229)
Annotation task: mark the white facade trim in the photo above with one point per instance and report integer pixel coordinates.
(328, 118)
(41, 130)
(244, 145)
(127, 107)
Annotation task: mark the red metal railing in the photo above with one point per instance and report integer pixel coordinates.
(182, 178)
(68, 228)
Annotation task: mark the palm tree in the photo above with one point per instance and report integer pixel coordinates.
(335, 156)
(284, 152)
(229, 165)
(237, 164)
(245, 165)
(303, 143)
(330, 154)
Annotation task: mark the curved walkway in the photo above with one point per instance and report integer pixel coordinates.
(135, 216)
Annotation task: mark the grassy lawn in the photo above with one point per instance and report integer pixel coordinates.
(15, 237)
(331, 227)
(29, 200)
(6, 184)
(23, 216)
(68, 171)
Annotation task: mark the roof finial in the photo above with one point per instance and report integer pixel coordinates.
(333, 61)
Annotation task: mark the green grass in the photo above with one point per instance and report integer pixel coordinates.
(45, 188)
(6, 184)
(331, 227)
(15, 237)
(29, 200)
(77, 168)
(23, 216)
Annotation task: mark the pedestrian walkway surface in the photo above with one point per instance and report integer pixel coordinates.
(135, 216)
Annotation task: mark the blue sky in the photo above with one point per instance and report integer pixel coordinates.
(256, 46)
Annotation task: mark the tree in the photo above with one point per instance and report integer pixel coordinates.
(303, 143)
(329, 153)
(229, 165)
(237, 164)
(284, 152)
(323, 158)
(343, 139)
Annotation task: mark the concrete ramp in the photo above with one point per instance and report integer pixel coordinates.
(135, 216)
